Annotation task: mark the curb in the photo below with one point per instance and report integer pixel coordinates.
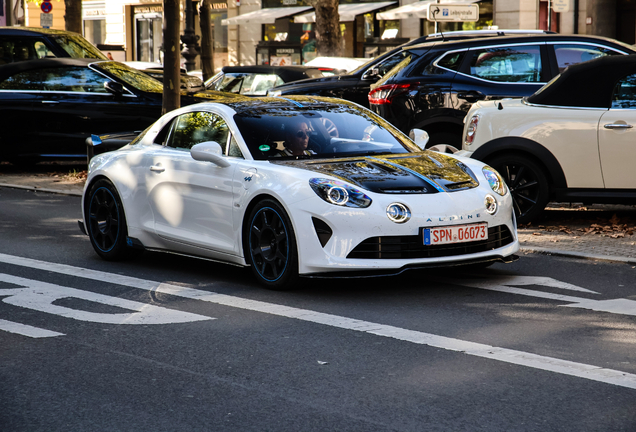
(581, 255)
(37, 189)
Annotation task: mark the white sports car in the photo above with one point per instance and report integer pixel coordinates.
(222, 181)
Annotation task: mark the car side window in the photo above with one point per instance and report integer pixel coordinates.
(567, 55)
(624, 96)
(197, 127)
(452, 61)
(65, 79)
(234, 150)
(14, 49)
(507, 64)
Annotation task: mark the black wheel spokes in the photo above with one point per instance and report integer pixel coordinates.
(104, 219)
(268, 244)
(523, 186)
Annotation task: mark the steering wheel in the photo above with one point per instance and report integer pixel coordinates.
(330, 126)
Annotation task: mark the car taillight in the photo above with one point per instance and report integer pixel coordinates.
(471, 130)
(385, 94)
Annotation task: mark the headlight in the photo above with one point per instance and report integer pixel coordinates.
(274, 93)
(398, 212)
(338, 193)
(491, 204)
(497, 184)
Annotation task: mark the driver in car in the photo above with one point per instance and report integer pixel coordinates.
(296, 139)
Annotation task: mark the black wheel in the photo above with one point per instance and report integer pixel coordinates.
(450, 139)
(270, 246)
(106, 222)
(527, 182)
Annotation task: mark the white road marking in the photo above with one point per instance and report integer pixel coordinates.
(565, 367)
(508, 284)
(27, 330)
(40, 296)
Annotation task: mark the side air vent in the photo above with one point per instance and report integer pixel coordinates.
(323, 231)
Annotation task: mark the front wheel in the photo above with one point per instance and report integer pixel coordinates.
(527, 182)
(106, 222)
(270, 246)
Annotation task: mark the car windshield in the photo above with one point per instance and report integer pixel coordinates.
(131, 76)
(325, 132)
(78, 47)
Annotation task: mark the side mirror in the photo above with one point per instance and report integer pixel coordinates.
(420, 137)
(114, 87)
(372, 74)
(209, 151)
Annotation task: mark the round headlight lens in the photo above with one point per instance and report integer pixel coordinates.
(337, 195)
(398, 213)
(497, 184)
(491, 204)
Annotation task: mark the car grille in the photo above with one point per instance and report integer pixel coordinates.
(405, 247)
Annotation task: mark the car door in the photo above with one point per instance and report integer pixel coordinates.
(499, 71)
(617, 137)
(18, 95)
(192, 201)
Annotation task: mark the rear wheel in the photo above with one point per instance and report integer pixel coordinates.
(270, 246)
(444, 142)
(527, 182)
(106, 222)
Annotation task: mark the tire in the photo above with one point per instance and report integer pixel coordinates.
(527, 182)
(270, 246)
(448, 138)
(106, 222)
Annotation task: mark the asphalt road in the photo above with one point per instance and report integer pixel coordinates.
(166, 343)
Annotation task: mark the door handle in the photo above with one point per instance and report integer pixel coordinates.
(50, 102)
(618, 126)
(157, 168)
(471, 96)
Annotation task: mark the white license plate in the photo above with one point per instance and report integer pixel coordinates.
(455, 234)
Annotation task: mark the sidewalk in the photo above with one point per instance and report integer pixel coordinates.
(598, 232)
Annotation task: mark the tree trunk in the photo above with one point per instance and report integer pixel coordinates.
(207, 39)
(171, 56)
(73, 15)
(328, 36)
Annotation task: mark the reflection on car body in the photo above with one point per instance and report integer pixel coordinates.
(208, 180)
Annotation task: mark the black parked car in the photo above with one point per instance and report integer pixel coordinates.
(49, 107)
(24, 43)
(435, 84)
(355, 85)
(257, 80)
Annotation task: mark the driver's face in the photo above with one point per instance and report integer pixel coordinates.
(298, 138)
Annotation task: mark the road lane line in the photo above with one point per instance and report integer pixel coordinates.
(564, 367)
(26, 330)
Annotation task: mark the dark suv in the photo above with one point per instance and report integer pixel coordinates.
(435, 84)
(355, 85)
(24, 43)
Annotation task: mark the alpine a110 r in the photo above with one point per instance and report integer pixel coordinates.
(298, 186)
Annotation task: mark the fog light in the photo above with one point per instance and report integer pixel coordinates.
(337, 195)
(398, 213)
(491, 204)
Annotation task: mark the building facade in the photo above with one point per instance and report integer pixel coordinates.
(282, 31)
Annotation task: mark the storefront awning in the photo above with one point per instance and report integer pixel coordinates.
(415, 10)
(347, 12)
(265, 16)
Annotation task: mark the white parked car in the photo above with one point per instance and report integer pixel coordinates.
(572, 141)
(298, 186)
